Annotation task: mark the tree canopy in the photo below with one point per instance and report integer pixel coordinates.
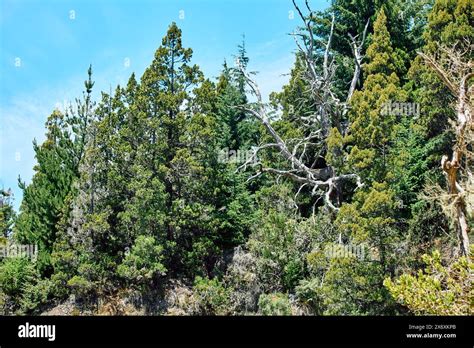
(350, 193)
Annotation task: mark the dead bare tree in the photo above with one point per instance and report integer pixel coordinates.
(457, 74)
(320, 177)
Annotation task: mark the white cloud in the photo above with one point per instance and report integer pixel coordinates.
(21, 121)
(273, 75)
(23, 117)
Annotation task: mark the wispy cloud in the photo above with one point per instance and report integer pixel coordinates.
(273, 75)
(22, 119)
(54, 63)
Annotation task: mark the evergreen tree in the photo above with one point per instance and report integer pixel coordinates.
(370, 218)
(243, 129)
(151, 186)
(448, 24)
(57, 168)
(371, 128)
(140, 195)
(119, 201)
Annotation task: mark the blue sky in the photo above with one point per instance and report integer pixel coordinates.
(46, 47)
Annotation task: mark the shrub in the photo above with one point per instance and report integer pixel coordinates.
(274, 304)
(35, 294)
(80, 286)
(308, 294)
(436, 290)
(279, 246)
(211, 296)
(21, 288)
(143, 263)
(15, 273)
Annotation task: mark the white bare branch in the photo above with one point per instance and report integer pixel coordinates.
(320, 178)
(456, 73)
(358, 56)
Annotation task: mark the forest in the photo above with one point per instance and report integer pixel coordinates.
(349, 192)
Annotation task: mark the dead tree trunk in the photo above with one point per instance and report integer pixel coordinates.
(456, 77)
(323, 180)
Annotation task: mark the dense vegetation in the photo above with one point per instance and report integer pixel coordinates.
(140, 204)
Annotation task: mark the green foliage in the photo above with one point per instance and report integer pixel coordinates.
(335, 154)
(406, 21)
(369, 215)
(59, 157)
(353, 287)
(370, 218)
(449, 22)
(294, 107)
(80, 286)
(438, 289)
(309, 294)
(372, 130)
(280, 242)
(150, 182)
(21, 290)
(274, 244)
(133, 193)
(144, 262)
(15, 273)
(35, 295)
(274, 304)
(7, 213)
(237, 129)
(211, 296)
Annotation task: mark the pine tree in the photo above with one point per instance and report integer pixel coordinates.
(57, 168)
(371, 128)
(370, 218)
(449, 24)
(231, 88)
(151, 182)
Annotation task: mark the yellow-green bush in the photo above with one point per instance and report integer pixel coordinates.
(438, 289)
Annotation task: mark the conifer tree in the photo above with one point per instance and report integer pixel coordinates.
(140, 194)
(449, 22)
(370, 218)
(151, 185)
(449, 25)
(371, 125)
(243, 129)
(57, 168)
